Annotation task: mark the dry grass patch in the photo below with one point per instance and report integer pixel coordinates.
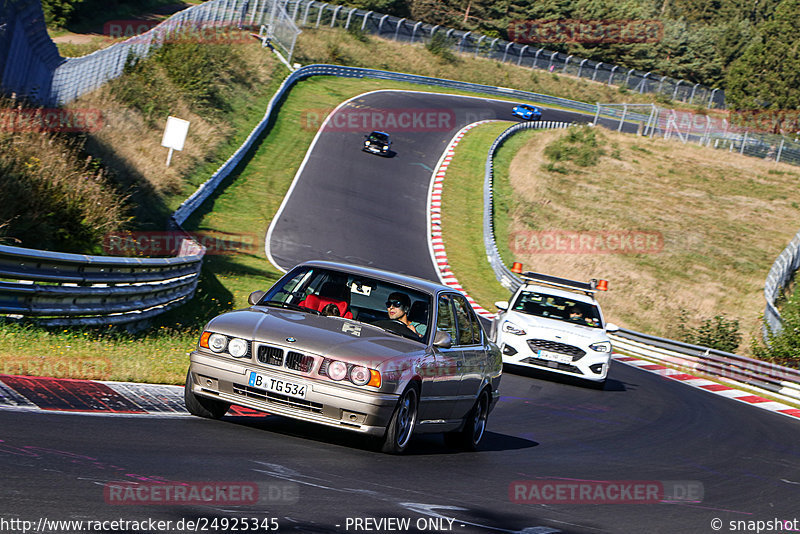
(721, 220)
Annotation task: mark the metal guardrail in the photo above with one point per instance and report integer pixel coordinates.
(779, 276)
(776, 379)
(73, 289)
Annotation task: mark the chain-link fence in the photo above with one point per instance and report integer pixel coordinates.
(310, 13)
(33, 68)
(716, 131)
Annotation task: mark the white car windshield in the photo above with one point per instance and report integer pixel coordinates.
(557, 308)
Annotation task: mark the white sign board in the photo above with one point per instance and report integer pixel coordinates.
(174, 135)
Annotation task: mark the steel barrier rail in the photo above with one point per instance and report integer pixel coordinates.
(778, 380)
(783, 381)
(75, 289)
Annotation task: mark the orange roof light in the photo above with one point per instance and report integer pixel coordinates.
(602, 285)
(516, 268)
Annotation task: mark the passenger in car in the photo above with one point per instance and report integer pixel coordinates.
(397, 306)
(331, 309)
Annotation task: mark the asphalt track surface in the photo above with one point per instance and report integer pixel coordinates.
(355, 207)
(641, 427)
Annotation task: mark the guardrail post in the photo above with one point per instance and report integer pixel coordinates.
(335, 14)
(397, 28)
(380, 24)
(628, 78)
(319, 14)
(566, 63)
(594, 75)
(505, 52)
(305, 14)
(536, 58)
(364, 22)
(643, 83)
(711, 98)
(461, 42)
(691, 98)
(414, 31)
(478, 45)
(521, 53)
(349, 18)
(611, 76)
(580, 67)
(780, 150)
(675, 92)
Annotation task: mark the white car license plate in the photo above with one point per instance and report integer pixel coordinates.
(276, 385)
(554, 356)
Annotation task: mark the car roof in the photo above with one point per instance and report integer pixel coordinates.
(378, 132)
(571, 295)
(412, 282)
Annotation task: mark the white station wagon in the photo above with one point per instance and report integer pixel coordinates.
(555, 325)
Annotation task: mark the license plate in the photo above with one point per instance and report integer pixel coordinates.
(554, 356)
(276, 385)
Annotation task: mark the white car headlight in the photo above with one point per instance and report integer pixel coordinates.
(359, 375)
(337, 370)
(237, 347)
(217, 342)
(602, 346)
(511, 328)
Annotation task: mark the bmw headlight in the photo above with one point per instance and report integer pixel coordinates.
(359, 375)
(511, 328)
(217, 342)
(238, 347)
(602, 346)
(337, 370)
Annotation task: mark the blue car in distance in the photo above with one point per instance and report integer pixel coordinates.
(527, 112)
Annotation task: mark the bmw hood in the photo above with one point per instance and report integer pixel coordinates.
(332, 337)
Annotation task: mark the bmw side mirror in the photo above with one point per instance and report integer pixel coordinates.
(442, 340)
(611, 327)
(501, 305)
(255, 296)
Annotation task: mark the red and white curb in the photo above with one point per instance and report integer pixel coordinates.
(90, 396)
(712, 387)
(446, 276)
(435, 240)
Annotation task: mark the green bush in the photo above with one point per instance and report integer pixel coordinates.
(440, 45)
(717, 333)
(579, 146)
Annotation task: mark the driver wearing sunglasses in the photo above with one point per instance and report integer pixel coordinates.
(397, 306)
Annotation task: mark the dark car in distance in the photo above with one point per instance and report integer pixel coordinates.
(377, 143)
